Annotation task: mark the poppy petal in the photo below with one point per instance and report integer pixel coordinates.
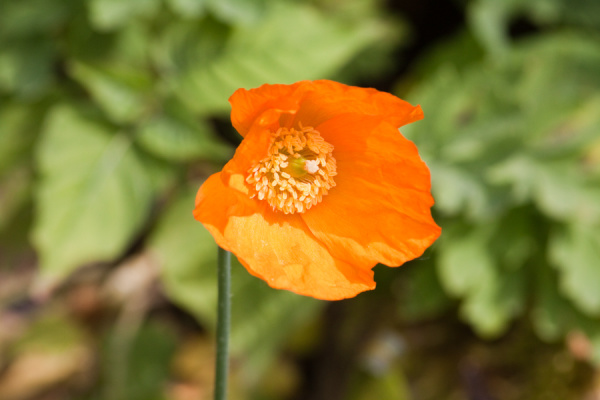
(328, 99)
(286, 255)
(247, 105)
(278, 249)
(216, 201)
(255, 146)
(314, 102)
(379, 210)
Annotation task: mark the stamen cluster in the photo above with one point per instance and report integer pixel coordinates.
(297, 172)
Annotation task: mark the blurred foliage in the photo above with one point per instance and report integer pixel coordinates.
(112, 113)
(517, 183)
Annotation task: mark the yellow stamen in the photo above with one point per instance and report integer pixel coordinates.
(297, 172)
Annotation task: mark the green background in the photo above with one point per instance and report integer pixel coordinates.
(112, 113)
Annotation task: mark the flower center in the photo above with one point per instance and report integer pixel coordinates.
(297, 172)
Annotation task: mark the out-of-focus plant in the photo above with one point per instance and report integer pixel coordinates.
(108, 112)
(513, 150)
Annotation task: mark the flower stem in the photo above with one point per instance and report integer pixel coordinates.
(223, 321)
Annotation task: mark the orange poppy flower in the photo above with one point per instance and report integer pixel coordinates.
(321, 189)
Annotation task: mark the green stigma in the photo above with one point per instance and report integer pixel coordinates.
(296, 167)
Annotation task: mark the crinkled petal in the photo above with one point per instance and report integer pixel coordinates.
(216, 201)
(379, 210)
(255, 146)
(328, 99)
(314, 102)
(248, 105)
(274, 247)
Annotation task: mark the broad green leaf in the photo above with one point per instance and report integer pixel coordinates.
(456, 189)
(574, 132)
(177, 136)
(124, 94)
(78, 37)
(108, 15)
(271, 52)
(468, 269)
(551, 312)
(489, 111)
(131, 47)
(553, 315)
(491, 20)
(93, 194)
(559, 188)
(26, 67)
(188, 8)
(514, 242)
(237, 12)
(488, 21)
(20, 125)
(472, 127)
(30, 17)
(457, 52)
(558, 91)
(576, 252)
(495, 302)
(464, 260)
(15, 191)
(188, 45)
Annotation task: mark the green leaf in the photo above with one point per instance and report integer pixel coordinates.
(122, 93)
(464, 259)
(558, 188)
(26, 67)
(553, 315)
(20, 125)
(30, 17)
(456, 189)
(493, 304)
(188, 8)
(488, 20)
(188, 45)
(491, 19)
(271, 52)
(108, 15)
(237, 12)
(468, 269)
(514, 242)
(177, 136)
(576, 252)
(93, 194)
(15, 191)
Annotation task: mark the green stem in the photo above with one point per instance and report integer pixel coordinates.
(223, 321)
